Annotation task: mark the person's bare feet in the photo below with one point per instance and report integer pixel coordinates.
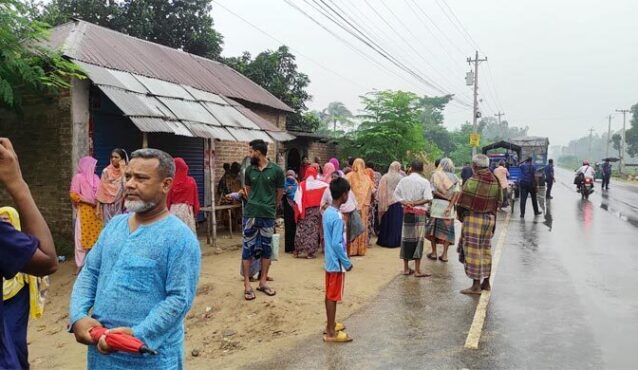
(471, 290)
(486, 285)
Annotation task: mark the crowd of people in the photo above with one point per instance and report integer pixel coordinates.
(140, 258)
(338, 212)
(97, 200)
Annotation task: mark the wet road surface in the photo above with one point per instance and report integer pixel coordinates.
(564, 297)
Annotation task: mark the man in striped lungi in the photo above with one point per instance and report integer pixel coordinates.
(477, 209)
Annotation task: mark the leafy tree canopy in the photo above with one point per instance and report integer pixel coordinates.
(26, 67)
(276, 71)
(185, 25)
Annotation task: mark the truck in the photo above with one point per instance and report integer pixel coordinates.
(515, 151)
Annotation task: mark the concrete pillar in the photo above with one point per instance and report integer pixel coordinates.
(80, 116)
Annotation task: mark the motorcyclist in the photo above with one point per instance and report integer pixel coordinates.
(587, 172)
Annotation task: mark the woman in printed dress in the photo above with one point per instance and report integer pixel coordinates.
(110, 193)
(83, 194)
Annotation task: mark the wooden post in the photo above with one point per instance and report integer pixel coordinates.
(211, 164)
(144, 140)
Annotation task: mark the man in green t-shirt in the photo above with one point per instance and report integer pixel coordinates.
(264, 188)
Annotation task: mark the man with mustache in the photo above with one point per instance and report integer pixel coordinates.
(141, 276)
(264, 187)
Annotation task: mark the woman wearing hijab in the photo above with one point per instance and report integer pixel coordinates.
(446, 187)
(290, 188)
(362, 187)
(337, 166)
(308, 214)
(183, 200)
(328, 171)
(110, 193)
(23, 298)
(83, 197)
(390, 210)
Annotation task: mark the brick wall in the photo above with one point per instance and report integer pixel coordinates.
(231, 151)
(324, 151)
(42, 137)
(276, 117)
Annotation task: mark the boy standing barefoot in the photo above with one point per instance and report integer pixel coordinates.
(336, 259)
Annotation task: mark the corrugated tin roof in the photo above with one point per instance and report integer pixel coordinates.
(190, 110)
(281, 136)
(86, 42)
(134, 104)
(160, 106)
(249, 135)
(208, 131)
(154, 124)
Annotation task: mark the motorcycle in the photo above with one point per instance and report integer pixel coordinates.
(586, 187)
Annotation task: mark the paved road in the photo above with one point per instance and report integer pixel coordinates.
(564, 297)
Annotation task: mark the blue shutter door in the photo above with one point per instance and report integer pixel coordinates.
(189, 148)
(111, 130)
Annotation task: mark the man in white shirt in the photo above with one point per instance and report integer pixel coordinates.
(415, 193)
(587, 170)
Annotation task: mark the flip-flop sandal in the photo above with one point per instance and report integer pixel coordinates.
(267, 291)
(342, 337)
(249, 295)
(410, 272)
(431, 256)
(442, 260)
(338, 327)
(422, 275)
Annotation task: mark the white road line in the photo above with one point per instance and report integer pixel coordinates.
(474, 335)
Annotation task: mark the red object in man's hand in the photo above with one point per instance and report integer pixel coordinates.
(120, 341)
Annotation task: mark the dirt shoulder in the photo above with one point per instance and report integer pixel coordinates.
(223, 330)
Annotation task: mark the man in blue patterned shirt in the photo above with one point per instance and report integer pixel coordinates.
(141, 276)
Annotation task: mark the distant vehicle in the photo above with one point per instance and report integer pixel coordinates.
(513, 152)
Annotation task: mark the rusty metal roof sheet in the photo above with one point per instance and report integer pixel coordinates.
(89, 43)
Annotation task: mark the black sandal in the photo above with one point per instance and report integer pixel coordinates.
(431, 256)
(249, 295)
(267, 291)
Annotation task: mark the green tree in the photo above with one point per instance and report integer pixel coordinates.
(390, 129)
(631, 135)
(185, 25)
(432, 121)
(26, 67)
(462, 152)
(276, 71)
(337, 112)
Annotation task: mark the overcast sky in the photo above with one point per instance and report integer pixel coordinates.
(557, 66)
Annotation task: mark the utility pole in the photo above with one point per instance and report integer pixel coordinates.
(499, 115)
(622, 142)
(608, 135)
(591, 131)
(476, 62)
